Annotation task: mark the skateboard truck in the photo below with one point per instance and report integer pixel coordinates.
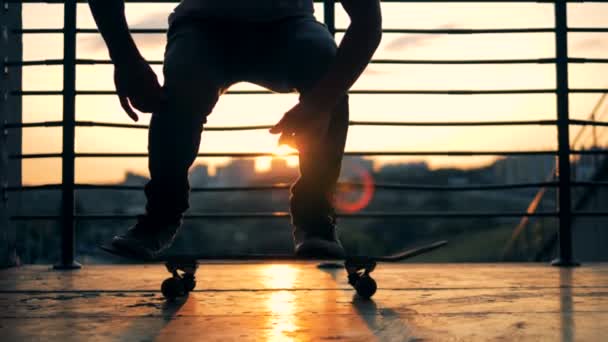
(358, 270)
(182, 279)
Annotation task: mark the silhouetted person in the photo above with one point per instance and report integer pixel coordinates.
(213, 44)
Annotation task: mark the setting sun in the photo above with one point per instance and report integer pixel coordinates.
(283, 150)
(264, 164)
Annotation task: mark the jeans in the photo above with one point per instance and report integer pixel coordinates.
(203, 58)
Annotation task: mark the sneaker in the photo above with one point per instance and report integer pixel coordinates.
(318, 242)
(147, 238)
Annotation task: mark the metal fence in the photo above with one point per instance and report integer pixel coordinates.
(564, 182)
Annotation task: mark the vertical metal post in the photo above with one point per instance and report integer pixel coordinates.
(329, 15)
(563, 136)
(67, 261)
(11, 49)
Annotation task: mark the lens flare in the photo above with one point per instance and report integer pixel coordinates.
(357, 194)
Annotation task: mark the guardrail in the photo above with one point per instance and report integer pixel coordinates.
(562, 123)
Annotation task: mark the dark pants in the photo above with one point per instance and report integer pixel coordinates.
(203, 59)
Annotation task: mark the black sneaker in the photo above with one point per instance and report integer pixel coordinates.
(147, 238)
(318, 241)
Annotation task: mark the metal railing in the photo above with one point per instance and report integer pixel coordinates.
(580, 139)
(562, 123)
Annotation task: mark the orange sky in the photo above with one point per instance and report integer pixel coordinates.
(264, 109)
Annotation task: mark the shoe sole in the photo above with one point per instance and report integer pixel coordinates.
(319, 248)
(130, 250)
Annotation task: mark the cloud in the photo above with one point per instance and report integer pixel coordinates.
(372, 71)
(592, 43)
(154, 20)
(413, 40)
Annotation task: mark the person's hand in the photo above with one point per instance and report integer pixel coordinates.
(302, 126)
(137, 87)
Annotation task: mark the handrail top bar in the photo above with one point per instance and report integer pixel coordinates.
(456, 31)
(337, 1)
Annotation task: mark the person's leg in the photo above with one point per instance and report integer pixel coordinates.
(192, 85)
(304, 52)
(193, 78)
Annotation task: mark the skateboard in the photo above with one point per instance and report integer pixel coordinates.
(358, 267)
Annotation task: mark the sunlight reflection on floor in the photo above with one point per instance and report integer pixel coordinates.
(281, 321)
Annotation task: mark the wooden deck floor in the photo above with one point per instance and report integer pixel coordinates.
(299, 302)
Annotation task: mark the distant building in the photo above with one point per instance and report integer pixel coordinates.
(523, 169)
(353, 165)
(238, 172)
(199, 175)
(405, 170)
(134, 179)
(279, 172)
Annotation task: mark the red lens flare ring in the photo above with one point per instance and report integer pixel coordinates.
(353, 198)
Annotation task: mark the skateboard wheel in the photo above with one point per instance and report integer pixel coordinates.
(353, 278)
(189, 282)
(366, 286)
(172, 288)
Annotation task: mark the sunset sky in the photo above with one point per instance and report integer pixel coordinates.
(267, 109)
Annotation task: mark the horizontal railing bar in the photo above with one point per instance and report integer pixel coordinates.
(216, 128)
(589, 152)
(601, 184)
(270, 154)
(282, 186)
(462, 31)
(24, 188)
(36, 92)
(589, 90)
(12, 125)
(287, 186)
(374, 61)
(579, 60)
(456, 31)
(431, 61)
(588, 29)
(320, 1)
(590, 213)
(260, 127)
(362, 91)
(587, 60)
(461, 123)
(32, 62)
(284, 214)
(35, 155)
(588, 122)
(465, 61)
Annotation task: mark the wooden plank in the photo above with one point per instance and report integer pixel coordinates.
(297, 302)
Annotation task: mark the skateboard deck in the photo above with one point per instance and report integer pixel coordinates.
(183, 266)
